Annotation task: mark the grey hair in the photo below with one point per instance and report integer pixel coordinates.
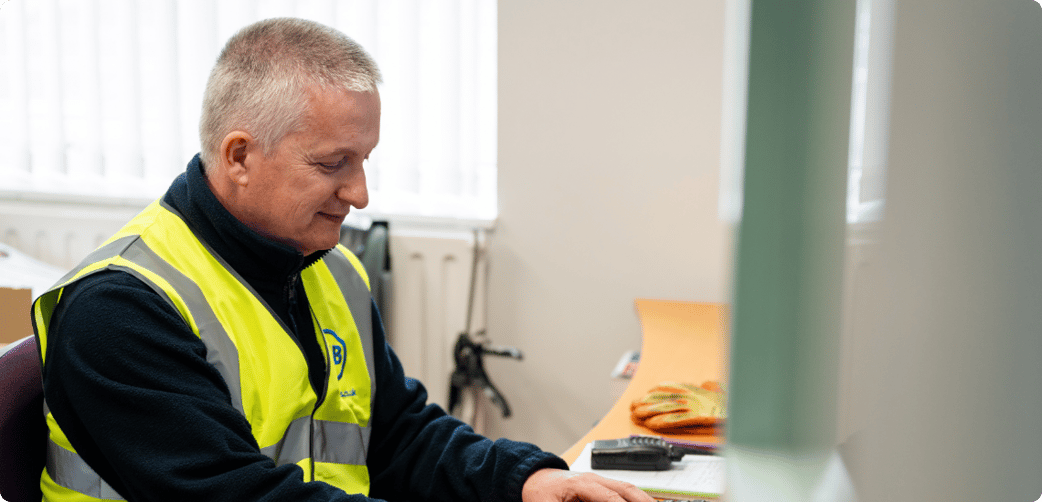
(262, 77)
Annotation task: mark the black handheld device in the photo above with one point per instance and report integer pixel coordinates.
(638, 453)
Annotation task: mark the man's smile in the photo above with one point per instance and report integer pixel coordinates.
(339, 218)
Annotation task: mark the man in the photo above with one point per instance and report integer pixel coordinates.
(222, 347)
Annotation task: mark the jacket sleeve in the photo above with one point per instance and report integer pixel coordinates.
(419, 452)
(129, 384)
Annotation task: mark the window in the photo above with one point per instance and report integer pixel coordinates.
(869, 115)
(101, 99)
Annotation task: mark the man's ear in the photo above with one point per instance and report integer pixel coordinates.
(233, 156)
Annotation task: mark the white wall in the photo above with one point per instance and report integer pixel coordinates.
(609, 155)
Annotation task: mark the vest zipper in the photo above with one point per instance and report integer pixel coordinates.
(322, 392)
(291, 298)
(311, 444)
(325, 361)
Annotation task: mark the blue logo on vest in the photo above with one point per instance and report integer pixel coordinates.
(338, 352)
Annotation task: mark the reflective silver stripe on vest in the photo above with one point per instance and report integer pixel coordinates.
(356, 293)
(114, 248)
(68, 470)
(341, 442)
(335, 442)
(220, 349)
(294, 446)
(49, 299)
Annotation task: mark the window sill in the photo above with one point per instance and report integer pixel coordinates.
(16, 202)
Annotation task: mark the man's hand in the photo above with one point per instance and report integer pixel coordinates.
(555, 485)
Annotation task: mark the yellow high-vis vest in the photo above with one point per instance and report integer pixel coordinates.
(325, 432)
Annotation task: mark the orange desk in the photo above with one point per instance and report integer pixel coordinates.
(682, 342)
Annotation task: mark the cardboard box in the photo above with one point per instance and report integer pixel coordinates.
(15, 317)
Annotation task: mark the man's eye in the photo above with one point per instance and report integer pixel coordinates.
(332, 167)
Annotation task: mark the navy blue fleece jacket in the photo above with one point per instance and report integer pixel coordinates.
(129, 384)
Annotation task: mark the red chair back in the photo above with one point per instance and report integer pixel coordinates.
(23, 433)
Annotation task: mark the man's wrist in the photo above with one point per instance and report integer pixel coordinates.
(530, 466)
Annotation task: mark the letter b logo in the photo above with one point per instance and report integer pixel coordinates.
(337, 353)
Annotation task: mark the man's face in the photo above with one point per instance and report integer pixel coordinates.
(301, 193)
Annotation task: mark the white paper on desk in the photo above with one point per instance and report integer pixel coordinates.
(694, 474)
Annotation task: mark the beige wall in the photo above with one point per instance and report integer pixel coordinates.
(609, 173)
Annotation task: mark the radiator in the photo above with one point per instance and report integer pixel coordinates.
(60, 233)
(429, 286)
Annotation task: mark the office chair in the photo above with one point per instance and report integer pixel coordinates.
(23, 433)
(371, 245)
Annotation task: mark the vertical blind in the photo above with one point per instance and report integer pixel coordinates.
(101, 98)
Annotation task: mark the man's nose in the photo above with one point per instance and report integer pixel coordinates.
(353, 190)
